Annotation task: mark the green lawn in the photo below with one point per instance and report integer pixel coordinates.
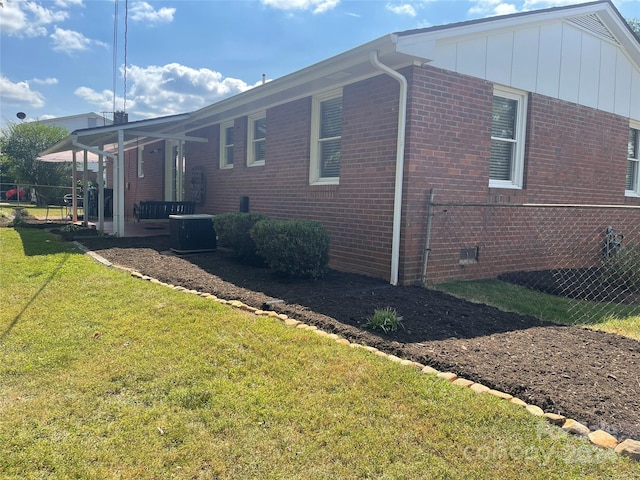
(104, 376)
(613, 318)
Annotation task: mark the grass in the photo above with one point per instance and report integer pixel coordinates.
(105, 376)
(7, 209)
(620, 319)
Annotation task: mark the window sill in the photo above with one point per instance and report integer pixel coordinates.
(255, 164)
(504, 184)
(326, 181)
(632, 194)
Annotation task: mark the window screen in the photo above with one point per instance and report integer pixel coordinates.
(259, 135)
(633, 164)
(330, 137)
(228, 145)
(503, 138)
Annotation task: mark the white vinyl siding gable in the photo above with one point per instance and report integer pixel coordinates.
(576, 58)
(508, 131)
(326, 140)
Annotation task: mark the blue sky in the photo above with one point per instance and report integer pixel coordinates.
(66, 57)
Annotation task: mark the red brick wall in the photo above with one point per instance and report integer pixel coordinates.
(149, 187)
(356, 213)
(573, 155)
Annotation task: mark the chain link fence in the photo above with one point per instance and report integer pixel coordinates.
(589, 254)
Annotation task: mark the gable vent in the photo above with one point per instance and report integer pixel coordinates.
(594, 25)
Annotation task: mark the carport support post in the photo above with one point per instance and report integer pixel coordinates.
(119, 187)
(74, 193)
(101, 191)
(85, 190)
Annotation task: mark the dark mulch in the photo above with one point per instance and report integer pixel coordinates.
(591, 376)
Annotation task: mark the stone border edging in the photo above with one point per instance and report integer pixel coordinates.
(600, 438)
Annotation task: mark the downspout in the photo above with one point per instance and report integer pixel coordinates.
(397, 202)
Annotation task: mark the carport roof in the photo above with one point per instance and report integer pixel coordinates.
(106, 138)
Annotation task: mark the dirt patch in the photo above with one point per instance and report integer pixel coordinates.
(591, 376)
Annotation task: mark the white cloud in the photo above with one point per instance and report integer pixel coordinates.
(69, 3)
(318, 6)
(167, 90)
(143, 12)
(19, 94)
(489, 7)
(45, 81)
(103, 100)
(69, 41)
(17, 22)
(402, 9)
(500, 7)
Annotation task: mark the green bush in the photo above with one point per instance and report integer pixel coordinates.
(295, 248)
(623, 268)
(385, 319)
(232, 230)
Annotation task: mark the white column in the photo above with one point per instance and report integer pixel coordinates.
(120, 184)
(85, 190)
(101, 191)
(74, 193)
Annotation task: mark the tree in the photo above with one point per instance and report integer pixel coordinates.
(20, 144)
(634, 23)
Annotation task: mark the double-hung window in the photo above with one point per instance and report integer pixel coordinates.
(226, 145)
(256, 140)
(508, 131)
(326, 139)
(632, 187)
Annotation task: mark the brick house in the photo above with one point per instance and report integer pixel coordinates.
(536, 108)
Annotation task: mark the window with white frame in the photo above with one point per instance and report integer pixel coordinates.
(508, 131)
(632, 186)
(326, 139)
(226, 145)
(256, 141)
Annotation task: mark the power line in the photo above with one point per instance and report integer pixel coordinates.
(115, 53)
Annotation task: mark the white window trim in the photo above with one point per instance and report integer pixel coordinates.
(251, 140)
(314, 164)
(223, 150)
(634, 193)
(517, 169)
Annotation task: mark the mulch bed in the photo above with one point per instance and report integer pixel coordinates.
(591, 376)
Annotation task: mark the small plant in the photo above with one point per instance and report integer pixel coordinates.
(622, 270)
(385, 319)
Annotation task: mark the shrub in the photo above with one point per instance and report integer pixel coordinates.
(232, 230)
(623, 268)
(295, 248)
(385, 319)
